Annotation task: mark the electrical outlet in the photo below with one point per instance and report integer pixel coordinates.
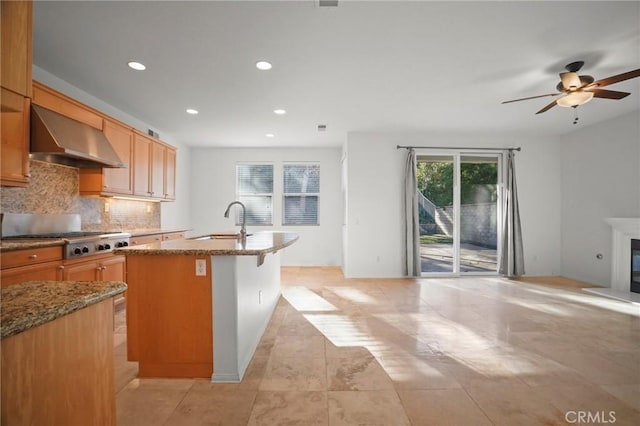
(106, 207)
(201, 267)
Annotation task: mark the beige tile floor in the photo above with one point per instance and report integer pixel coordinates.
(455, 351)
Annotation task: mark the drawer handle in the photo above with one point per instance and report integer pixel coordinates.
(61, 267)
(33, 256)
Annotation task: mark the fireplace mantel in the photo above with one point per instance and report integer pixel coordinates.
(624, 229)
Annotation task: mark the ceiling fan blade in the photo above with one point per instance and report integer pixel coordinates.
(570, 80)
(548, 107)
(608, 94)
(616, 78)
(586, 79)
(532, 97)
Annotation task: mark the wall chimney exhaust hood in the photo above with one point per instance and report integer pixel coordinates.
(58, 139)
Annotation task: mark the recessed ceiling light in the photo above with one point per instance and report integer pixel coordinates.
(270, 135)
(279, 111)
(137, 66)
(192, 111)
(263, 65)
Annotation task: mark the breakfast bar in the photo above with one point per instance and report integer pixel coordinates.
(198, 307)
(57, 352)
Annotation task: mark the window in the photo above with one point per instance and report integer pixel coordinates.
(255, 191)
(301, 194)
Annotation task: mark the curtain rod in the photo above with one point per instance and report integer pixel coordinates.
(457, 147)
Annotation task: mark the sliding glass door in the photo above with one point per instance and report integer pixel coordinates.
(459, 209)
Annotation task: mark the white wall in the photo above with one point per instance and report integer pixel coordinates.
(173, 214)
(373, 233)
(213, 174)
(600, 178)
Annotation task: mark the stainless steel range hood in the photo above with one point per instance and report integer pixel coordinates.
(58, 139)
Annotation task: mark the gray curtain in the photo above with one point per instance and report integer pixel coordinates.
(512, 259)
(411, 223)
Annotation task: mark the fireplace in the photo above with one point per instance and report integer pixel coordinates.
(635, 266)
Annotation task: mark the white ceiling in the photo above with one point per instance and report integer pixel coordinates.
(364, 66)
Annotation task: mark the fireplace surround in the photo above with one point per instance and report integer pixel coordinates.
(623, 231)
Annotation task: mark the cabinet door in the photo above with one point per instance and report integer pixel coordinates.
(85, 271)
(64, 105)
(119, 181)
(112, 269)
(47, 271)
(157, 169)
(17, 22)
(14, 128)
(141, 172)
(170, 174)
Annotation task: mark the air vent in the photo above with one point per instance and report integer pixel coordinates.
(327, 3)
(322, 127)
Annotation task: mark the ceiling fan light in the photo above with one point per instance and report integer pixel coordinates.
(574, 99)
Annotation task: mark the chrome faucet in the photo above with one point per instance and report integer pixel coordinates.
(243, 229)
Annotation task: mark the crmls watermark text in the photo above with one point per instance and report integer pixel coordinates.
(585, 417)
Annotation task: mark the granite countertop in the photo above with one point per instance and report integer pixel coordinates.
(12, 244)
(27, 305)
(27, 243)
(258, 244)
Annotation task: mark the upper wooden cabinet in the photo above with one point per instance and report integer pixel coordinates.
(151, 164)
(16, 46)
(14, 131)
(170, 174)
(154, 168)
(157, 168)
(112, 181)
(64, 105)
(15, 78)
(141, 161)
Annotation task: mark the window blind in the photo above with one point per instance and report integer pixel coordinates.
(255, 191)
(301, 193)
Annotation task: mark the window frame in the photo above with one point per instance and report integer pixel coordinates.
(299, 194)
(255, 194)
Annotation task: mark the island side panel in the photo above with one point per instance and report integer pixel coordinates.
(225, 319)
(61, 372)
(172, 317)
(246, 296)
(258, 294)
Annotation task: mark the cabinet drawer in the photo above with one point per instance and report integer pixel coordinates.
(173, 236)
(145, 239)
(12, 259)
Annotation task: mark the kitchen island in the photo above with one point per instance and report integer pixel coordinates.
(198, 307)
(57, 352)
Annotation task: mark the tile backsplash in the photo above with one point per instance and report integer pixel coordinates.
(54, 189)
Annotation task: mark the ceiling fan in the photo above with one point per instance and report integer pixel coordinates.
(575, 90)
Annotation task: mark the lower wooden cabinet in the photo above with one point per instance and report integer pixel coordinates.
(107, 268)
(173, 236)
(155, 238)
(47, 271)
(31, 265)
